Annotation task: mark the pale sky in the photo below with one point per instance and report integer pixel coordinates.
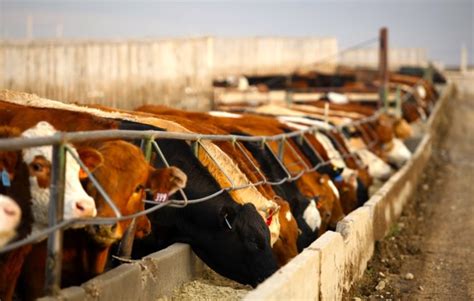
(441, 26)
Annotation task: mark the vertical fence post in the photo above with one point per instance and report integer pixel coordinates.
(383, 66)
(398, 102)
(55, 216)
(429, 73)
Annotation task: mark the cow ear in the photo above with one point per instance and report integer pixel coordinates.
(91, 158)
(8, 161)
(167, 180)
(227, 217)
(178, 179)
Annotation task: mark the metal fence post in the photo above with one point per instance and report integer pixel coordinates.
(55, 216)
(383, 67)
(398, 103)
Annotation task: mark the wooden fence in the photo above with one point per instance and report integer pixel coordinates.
(126, 74)
(396, 56)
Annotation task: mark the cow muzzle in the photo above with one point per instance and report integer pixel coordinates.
(104, 235)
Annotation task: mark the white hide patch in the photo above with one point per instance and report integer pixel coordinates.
(421, 91)
(288, 216)
(334, 189)
(350, 176)
(378, 169)
(334, 155)
(10, 216)
(243, 84)
(399, 154)
(311, 216)
(337, 98)
(224, 114)
(306, 121)
(74, 196)
(294, 125)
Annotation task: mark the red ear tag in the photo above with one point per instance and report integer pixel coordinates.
(270, 218)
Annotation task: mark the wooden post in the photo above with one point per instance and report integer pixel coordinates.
(383, 66)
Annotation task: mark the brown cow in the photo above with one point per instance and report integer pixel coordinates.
(121, 158)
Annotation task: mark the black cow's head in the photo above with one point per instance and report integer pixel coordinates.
(238, 246)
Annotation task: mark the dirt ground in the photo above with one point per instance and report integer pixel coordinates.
(429, 253)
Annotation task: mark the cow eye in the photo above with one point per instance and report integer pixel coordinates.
(139, 188)
(37, 167)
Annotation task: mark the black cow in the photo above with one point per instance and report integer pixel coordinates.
(288, 190)
(230, 238)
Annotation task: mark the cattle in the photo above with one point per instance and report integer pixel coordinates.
(286, 249)
(378, 135)
(77, 203)
(307, 184)
(123, 161)
(203, 225)
(15, 213)
(218, 162)
(352, 144)
(351, 191)
(231, 238)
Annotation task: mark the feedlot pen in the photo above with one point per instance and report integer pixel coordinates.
(166, 271)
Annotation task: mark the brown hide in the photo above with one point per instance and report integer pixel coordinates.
(12, 261)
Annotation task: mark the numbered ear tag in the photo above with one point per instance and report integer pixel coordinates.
(161, 197)
(338, 178)
(5, 178)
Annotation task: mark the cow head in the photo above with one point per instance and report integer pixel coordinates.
(285, 247)
(123, 175)
(10, 216)
(377, 168)
(329, 204)
(393, 148)
(237, 245)
(77, 203)
(397, 153)
(402, 129)
(347, 189)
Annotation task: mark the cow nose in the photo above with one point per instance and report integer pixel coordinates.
(105, 229)
(12, 213)
(85, 208)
